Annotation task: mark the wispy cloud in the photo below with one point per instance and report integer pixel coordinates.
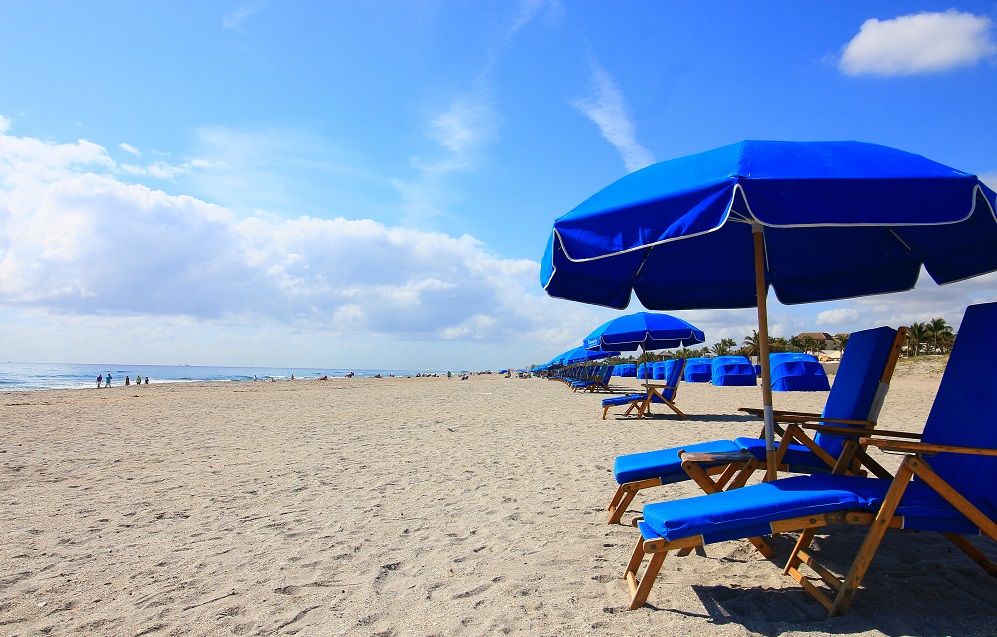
(237, 18)
(128, 148)
(607, 108)
(462, 130)
(919, 43)
(530, 9)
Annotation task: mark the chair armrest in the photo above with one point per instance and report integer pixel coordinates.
(756, 411)
(921, 447)
(716, 456)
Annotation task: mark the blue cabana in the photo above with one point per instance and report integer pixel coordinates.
(698, 370)
(645, 371)
(797, 372)
(625, 371)
(732, 371)
(659, 370)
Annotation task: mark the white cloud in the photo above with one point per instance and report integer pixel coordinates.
(919, 43)
(75, 242)
(607, 108)
(837, 316)
(128, 148)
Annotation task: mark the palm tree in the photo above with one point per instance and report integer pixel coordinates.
(841, 340)
(917, 335)
(938, 331)
(808, 344)
(752, 344)
(724, 347)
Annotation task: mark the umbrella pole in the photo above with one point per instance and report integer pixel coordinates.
(761, 291)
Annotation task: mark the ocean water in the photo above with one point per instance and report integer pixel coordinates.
(34, 376)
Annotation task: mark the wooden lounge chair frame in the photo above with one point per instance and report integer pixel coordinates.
(655, 393)
(843, 590)
(739, 467)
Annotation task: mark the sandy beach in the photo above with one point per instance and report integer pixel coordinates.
(407, 506)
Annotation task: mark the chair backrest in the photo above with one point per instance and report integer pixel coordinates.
(607, 373)
(673, 374)
(965, 411)
(861, 382)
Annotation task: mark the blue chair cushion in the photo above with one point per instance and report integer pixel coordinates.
(622, 400)
(749, 511)
(664, 463)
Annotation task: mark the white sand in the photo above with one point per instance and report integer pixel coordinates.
(404, 507)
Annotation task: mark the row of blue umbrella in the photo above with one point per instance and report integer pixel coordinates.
(719, 229)
(644, 330)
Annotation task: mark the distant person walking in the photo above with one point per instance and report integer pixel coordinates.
(128, 381)
(107, 381)
(100, 380)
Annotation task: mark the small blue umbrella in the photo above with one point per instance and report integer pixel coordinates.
(645, 330)
(717, 229)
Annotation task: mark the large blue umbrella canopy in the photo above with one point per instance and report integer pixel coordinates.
(717, 229)
(645, 330)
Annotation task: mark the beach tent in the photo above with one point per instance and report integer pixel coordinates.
(659, 372)
(698, 370)
(732, 371)
(797, 372)
(625, 371)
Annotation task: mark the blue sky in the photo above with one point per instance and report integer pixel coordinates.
(371, 184)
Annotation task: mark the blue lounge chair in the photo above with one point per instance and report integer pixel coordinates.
(855, 400)
(659, 393)
(953, 466)
(730, 371)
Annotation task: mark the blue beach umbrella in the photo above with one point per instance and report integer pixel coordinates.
(719, 228)
(644, 330)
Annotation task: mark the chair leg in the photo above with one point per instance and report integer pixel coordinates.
(640, 591)
(676, 410)
(974, 553)
(615, 502)
(621, 508)
(605, 410)
(850, 585)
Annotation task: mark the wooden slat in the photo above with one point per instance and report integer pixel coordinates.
(829, 578)
(922, 448)
(810, 588)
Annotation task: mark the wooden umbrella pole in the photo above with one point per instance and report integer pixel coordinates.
(761, 290)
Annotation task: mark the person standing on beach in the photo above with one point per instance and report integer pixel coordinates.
(100, 379)
(107, 383)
